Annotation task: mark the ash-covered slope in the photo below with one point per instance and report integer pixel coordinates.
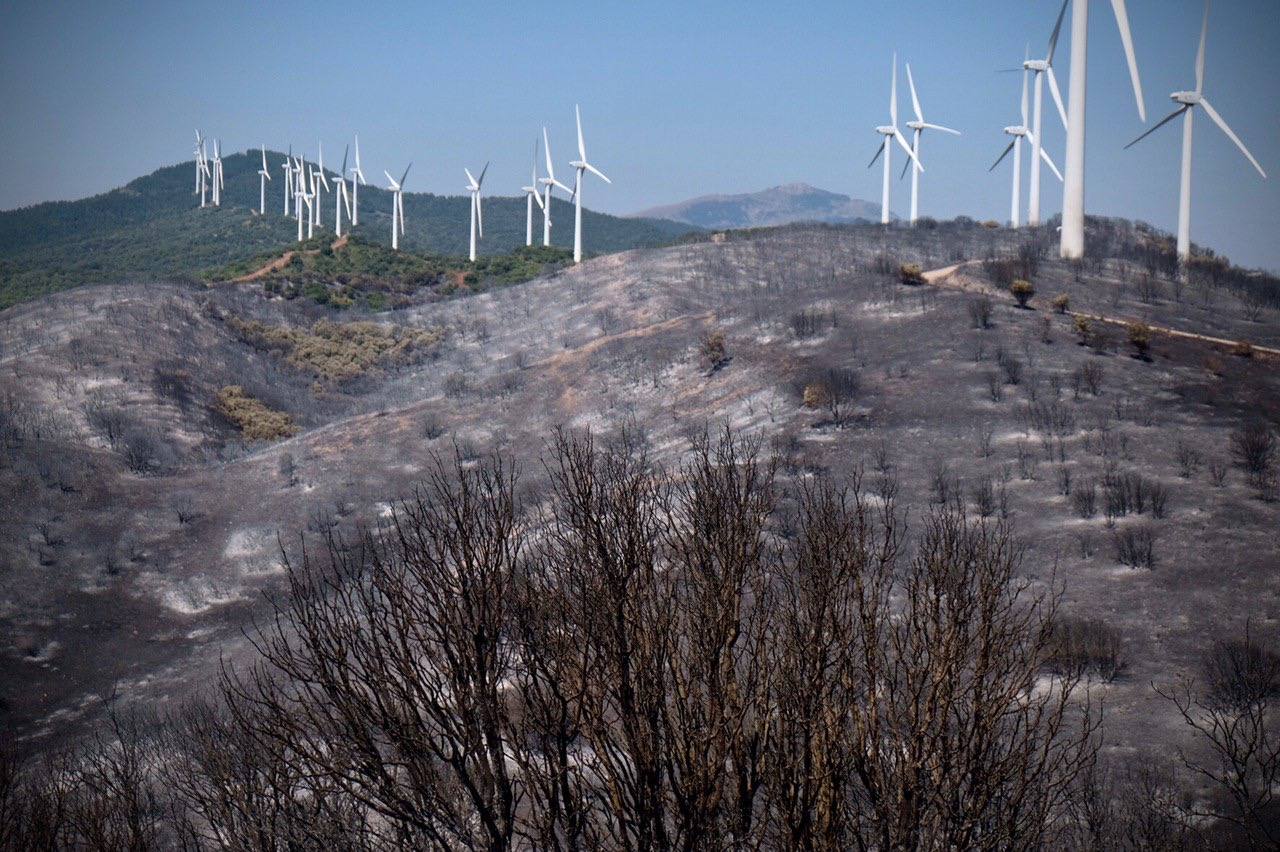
(137, 580)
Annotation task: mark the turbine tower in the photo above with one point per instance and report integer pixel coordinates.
(580, 165)
(891, 132)
(1187, 102)
(340, 196)
(300, 197)
(530, 197)
(919, 126)
(477, 215)
(1072, 245)
(396, 188)
(264, 175)
(319, 181)
(288, 180)
(202, 168)
(1020, 132)
(1043, 68)
(218, 174)
(357, 178)
(549, 181)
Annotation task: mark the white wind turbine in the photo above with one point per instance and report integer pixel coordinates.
(217, 173)
(548, 182)
(1020, 132)
(1072, 245)
(919, 126)
(1187, 102)
(301, 197)
(320, 181)
(202, 168)
(1043, 68)
(580, 165)
(288, 179)
(357, 178)
(396, 187)
(264, 175)
(299, 185)
(891, 132)
(477, 215)
(531, 197)
(340, 197)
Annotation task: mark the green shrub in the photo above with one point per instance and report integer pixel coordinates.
(1061, 303)
(1022, 290)
(910, 273)
(255, 420)
(1140, 338)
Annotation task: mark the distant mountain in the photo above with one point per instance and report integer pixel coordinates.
(153, 227)
(792, 202)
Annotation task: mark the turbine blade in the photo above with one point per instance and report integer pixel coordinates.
(537, 199)
(879, 151)
(1204, 34)
(470, 178)
(390, 179)
(1126, 37)
(1057, 31)
(546, 146)
(480, 182)
(1002, 156)
(582, 147)
(343, 172)
(893, 93)
(915, 101)
(1170, 117)
(1057, 95)
(1044, 155)
(943, 129)
(562, 186)
(406, 174)
(597, 172)
(1025, 75)
(905, 166)
(1218, 120)
(902, 141)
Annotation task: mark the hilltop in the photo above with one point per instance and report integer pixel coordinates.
(153, 229)
(779, 205)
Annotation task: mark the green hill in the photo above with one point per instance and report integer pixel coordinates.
(153, 228)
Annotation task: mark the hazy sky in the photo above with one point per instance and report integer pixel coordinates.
(679, 98)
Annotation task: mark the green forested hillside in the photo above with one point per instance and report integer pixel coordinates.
(154, 228)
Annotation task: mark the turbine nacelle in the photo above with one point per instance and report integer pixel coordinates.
(1186, 98)
(1037, 65)
(887, 130)
(1016, 130)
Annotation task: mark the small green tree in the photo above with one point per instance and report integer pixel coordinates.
(1140, 339)
(1022, 290)
(1061, 303)
(911, 273)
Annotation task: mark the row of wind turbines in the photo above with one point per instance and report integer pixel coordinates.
(1073, 122)
(305, 183)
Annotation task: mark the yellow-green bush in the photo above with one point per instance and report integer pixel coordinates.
(336, 351)
(255, 420)
(1022, 290)
(910, 273)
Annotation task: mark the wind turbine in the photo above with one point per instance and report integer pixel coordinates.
(1019, 132)
(288, 179)
(340, 196)
(357, 178)
(477, 215)
(1043, 68)
(218, 174)
(1187, 102)
(1072, 245)
(580, 165)
(202, 168)
(549, 181)
(530, 197)
(397, 205)
(320, 181)
(890, 132)
(264, 175)
(919, 126)
(300, 197)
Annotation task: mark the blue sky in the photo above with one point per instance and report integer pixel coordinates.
(678, 98)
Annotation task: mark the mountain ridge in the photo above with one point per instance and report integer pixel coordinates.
(776, 205)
